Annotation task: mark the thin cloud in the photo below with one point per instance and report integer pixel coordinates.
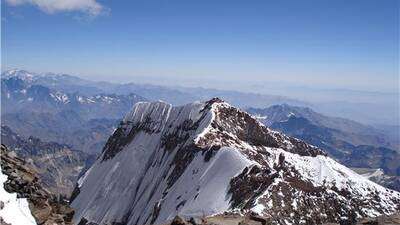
(90, 7)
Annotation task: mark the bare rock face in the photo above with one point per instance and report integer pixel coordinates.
(210, 158)
(45, 208)
(2, 222)
(178, 221)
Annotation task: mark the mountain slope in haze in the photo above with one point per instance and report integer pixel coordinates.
(18, 94)
(175, 95)
(65, 127)
(80, 121)
(58, 166)
(380, 177)
(361, 156)
(239, 99)
(353, 144)
(208, 158)
(62, 82)
(344, 129)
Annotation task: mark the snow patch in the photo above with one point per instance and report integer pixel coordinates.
(16, 210)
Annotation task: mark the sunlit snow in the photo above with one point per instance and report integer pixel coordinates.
(16, 210)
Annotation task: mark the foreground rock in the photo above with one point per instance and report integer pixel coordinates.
(45, 208)
(235, 219)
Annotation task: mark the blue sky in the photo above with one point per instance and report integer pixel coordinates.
(326, 43)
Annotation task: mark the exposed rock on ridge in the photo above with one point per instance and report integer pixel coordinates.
(208, 158)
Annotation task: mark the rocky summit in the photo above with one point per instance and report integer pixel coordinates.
(210, 158)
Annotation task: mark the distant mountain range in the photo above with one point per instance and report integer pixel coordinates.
(26, 96)
(176, 95)
(352, 143)
(345, 129)
(82, 122)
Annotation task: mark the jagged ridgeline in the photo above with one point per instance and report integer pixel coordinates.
(208, 158)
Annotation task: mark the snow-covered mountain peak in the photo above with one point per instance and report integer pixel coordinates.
(21, 74)
(210, 124)
(32, 77)
(207, 158)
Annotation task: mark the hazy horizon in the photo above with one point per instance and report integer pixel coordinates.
(303, 93)
(322, 45)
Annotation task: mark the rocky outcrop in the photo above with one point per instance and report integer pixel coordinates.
(23, 180)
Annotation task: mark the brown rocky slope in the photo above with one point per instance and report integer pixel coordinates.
(23, 180)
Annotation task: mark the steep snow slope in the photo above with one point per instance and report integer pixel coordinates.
(207, 158)
(15, 210)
